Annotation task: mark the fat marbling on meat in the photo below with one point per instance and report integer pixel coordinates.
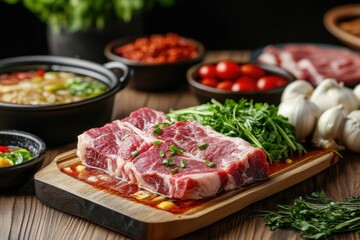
(129, 150)
(314, 63)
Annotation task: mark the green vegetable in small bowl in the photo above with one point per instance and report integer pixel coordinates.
(10, 156)
(21, 155)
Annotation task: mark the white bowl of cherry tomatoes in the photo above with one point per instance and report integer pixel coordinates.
(227, 79)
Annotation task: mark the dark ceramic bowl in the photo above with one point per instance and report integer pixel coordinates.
(15, 176)
(153, 76)
(204, 93)
(62, 123)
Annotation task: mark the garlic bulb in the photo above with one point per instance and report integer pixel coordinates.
(329, 127)
(331, 121)
(354, 114)
(357, 91)
(296, 88)
(351, 131)
(301, 113)
(329, 93)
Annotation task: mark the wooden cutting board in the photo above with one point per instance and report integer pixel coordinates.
(65, 193)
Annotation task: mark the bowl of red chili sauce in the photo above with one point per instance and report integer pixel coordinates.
(159, 61)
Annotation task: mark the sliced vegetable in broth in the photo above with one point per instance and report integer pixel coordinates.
(47, 88)
(10, 155)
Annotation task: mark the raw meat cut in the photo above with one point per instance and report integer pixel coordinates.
(313, 63)
(182, 160)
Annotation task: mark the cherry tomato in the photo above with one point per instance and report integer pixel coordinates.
(40, 72)
(4, 149)
(227, 69)
(270, 82)
(244, 84)
(225, 85)
(207, 71)
(210, 82)
(281, 82)
(252, 70)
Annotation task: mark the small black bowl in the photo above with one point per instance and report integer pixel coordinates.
(15, 176)
(205, 93)
(155, 76)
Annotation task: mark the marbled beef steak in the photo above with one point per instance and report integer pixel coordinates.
(183, 160)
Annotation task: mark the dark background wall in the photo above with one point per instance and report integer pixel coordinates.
(225, 24)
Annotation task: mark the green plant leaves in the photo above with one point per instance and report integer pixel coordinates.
(75, 15)
(258, 123)
(317, 216)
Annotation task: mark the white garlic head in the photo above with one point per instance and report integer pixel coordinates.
(296, 88)
(330, 93)
(302, 114)
(351, 131)
(331, 122)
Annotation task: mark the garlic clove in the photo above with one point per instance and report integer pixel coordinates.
(296, 88)
(330, 122)
(301, 113)
(357, 91)
(350, 98)
(354, 114)
(320, 95)
(329, 93)
(351, 133)
(325, 143)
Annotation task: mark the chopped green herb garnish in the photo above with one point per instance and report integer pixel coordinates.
(158, 130)
(203, 146)
(317, 216)
(258, 123)
(157, 142)
(168, 162)
(125, 136)
(182, 163)
(79, 86)
(161, 153)
(174, 170)
(210, 164)
(135, 153)
(175, 150)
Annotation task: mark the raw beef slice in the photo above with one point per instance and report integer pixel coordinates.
(170, 162)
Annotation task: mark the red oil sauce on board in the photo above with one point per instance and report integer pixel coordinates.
(278, 166)
(101, 180)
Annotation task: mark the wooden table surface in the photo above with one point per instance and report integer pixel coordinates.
(23, 216)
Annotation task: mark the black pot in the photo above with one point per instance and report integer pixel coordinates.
(61, 123)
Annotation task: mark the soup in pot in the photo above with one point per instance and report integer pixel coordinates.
(48, 87)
